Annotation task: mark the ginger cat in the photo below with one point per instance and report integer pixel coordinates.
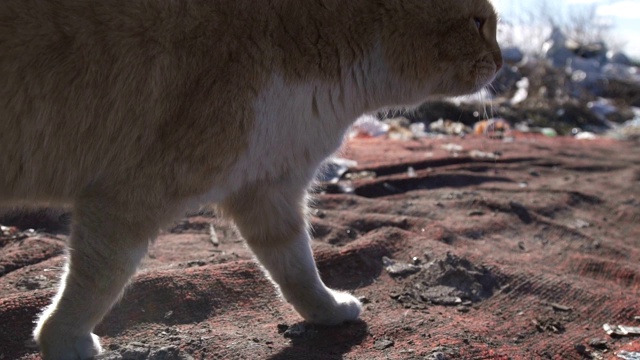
(134, 110)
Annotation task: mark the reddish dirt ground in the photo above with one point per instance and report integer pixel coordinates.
(467, 256)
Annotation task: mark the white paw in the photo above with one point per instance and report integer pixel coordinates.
(65, 348)
(332, 309)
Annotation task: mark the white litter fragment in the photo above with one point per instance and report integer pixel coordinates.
(586, 135)
(522, 93)
(477, 154)
(333, 169)
(628, 355)
(452, 148)
(368, 126)
(621, 330)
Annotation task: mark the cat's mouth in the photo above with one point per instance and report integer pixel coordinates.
(486, 71)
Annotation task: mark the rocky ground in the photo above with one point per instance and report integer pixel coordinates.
(473, 248)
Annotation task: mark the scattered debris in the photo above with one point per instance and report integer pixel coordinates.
(383, 344)
(296, 331)
(8, 230)
(453, 148)
(14, 233)
(418, 129)
(628, 355)
(360, 175)
(449, 127)
(522, 93)
(451, 281)
(399, 129)
(585, 135)
(333, 169)
(477, 154)
(548, 324)
(368, 126)
(621, 330)
(599, 344)
(395, 268)
(493, 128)
(560, 307)
(581, 349)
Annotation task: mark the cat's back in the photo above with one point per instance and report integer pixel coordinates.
(92, 88)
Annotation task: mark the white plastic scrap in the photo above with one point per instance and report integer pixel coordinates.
(628, 355)
(621, 330)
(452, 148)
(585, 135)
(333, 169)
(368, 125)
(522, 93)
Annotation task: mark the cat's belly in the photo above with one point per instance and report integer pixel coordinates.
(296, 128)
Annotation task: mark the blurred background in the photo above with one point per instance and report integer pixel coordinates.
(572, 68)
(529, 22)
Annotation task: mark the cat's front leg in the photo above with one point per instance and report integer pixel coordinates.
(108, 240)
(272, 220)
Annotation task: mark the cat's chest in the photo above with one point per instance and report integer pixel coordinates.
(295, 127)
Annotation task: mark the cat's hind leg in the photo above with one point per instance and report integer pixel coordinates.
(107, 242)
(272, 221)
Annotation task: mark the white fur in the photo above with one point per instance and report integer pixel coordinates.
(293, 270)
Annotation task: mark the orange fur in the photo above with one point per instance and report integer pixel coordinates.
(132, 110)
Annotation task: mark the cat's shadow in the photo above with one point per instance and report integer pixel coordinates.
(311, 342)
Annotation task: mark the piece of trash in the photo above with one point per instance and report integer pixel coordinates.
(383, 344)
(475, 213)
(477, 154)
(599, 344)
(445, 300)
(418, 129)
(368, 126)
(585, 135)
(295, 331)
(449, 127)
(333, 169)
(8, 230)
(621, 330)
(550, 325)
(523, 91)
(395, 268)
(411, 172)
(581, 349)
(399, 129)
(581, 224)
(560, 307)
(549, 132)
(360, 175)
(628, 355)
(493, 128)
(452, 148)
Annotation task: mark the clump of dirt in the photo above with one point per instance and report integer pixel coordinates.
(450, 281)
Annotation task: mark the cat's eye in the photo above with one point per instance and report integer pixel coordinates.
(479, 22)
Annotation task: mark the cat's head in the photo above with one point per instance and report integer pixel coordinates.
(445, 47)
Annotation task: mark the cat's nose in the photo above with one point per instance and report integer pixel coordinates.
(498, 64)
